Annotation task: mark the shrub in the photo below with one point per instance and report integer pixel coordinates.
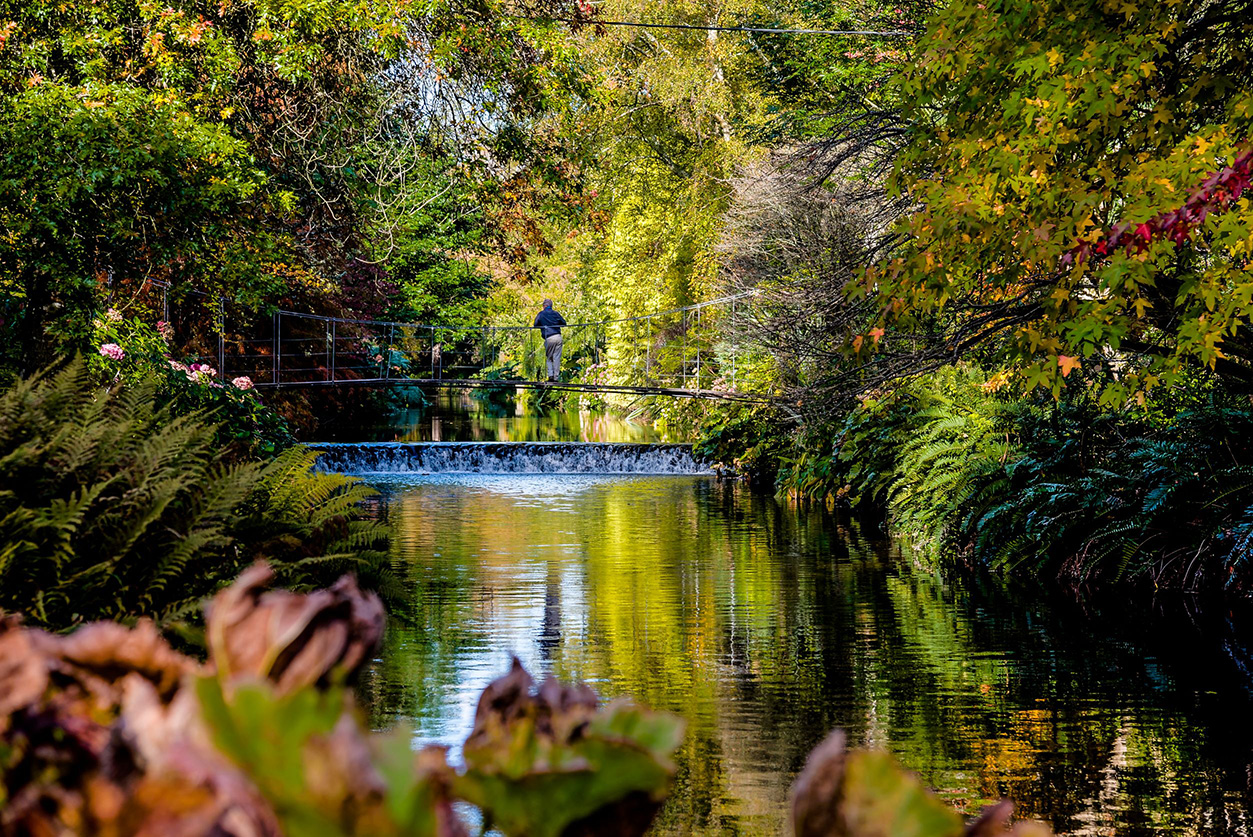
(751, 440)
(112, 507)
(130, 352)
(1113, 495)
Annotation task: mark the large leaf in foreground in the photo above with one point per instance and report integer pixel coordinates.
(550, 762)
(321, 774)
(865, 793)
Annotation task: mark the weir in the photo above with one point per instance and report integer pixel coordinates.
(508, 458)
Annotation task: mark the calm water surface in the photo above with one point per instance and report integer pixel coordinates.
(765, 625)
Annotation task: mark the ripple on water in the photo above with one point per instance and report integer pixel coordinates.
(766, 625)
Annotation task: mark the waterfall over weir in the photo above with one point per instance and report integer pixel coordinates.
(507, 458)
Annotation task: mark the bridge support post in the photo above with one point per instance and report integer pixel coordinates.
(387, 352)
(648, 350)
(683, 349)
(699, 319)
(222, 338)
(276, 352)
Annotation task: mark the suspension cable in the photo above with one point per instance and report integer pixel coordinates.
(763, 30)
(695, 307)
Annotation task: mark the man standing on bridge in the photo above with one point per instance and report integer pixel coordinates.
(549, 323)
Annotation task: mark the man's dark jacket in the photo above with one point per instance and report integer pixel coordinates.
(549, 322)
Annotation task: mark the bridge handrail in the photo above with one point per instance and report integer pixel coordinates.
(432, 327)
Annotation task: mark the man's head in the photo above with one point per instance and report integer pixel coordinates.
(548, 303)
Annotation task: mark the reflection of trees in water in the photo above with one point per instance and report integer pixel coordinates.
(462, 415)
(550, 629)
(765, 625)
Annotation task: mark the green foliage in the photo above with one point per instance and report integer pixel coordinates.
(930, 456)
(673, 118)
(751, 440)
(865, 793)
(304, 767)
(172, 141)
(881, 799)
(311, 526)
(432, 255)
(1115, 496)
(1057, 153)
(86, 175)
(1063, 488)
(113, 507)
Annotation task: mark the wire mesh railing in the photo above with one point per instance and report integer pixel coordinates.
(690, 347)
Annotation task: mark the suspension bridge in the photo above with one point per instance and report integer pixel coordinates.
(686, 352)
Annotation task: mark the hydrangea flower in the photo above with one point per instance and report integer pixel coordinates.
(243, 382)
(201, 373)
(113, 315)
(113, 351)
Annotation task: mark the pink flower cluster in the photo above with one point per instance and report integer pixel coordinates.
(113, 351)
(197, 373)
(203, 373)
(1216, 194)
(166, 330)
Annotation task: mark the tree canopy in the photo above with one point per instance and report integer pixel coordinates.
(1078, 172)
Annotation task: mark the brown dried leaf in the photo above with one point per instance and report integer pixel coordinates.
(292, 639)
(504, 700)
(111, 651)
(816, 793)
(209, 790)
(105, 742)
(23, 671)
(431, 763)
(340, 768)
(992, 821)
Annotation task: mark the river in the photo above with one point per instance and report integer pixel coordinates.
(765, 624)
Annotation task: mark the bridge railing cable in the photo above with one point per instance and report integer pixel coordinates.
(691, 347)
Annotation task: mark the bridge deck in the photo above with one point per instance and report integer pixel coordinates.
(471, 383)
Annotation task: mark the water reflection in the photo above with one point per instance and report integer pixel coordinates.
(765, 626)
(459, 415)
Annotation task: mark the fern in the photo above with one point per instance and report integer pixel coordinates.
(111, 507)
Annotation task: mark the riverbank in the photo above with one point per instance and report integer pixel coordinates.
(1159, 494)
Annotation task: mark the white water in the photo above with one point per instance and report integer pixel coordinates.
(507, 458)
